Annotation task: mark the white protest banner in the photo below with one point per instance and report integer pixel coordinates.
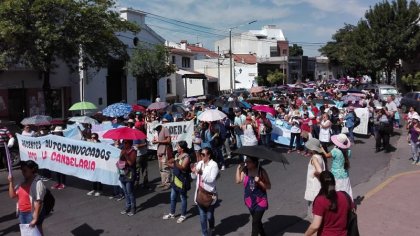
(95, 162)
(362, 128)
(178, 130)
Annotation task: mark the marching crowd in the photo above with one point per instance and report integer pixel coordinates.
(316, 124)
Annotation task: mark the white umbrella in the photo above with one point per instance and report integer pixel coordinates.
(211, 115)
(84, 120)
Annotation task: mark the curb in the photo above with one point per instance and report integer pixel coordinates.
(387, 182)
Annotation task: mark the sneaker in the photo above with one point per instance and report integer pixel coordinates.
(223, 168)
(90, 193)
(61, 186)
(168, 216)
(121, 197)
(123, 212)
(130, 213)
(181, 219)
(97, 194)
(55, 186)
(411, 159)
(418, 164)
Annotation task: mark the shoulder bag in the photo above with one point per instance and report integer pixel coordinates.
(204, 198)
(352, 227)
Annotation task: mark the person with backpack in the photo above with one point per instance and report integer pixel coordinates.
(351, 122)
(181, 181)
(30, 196)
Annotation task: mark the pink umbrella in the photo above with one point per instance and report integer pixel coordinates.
(157, 106)
(265, 109)
(124, 133)
(258, 89)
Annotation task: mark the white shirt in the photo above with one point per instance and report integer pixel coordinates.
(391, 106)
(208, 177)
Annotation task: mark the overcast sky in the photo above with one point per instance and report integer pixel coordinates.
(302, 21)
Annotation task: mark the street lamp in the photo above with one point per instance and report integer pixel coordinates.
(232, 83)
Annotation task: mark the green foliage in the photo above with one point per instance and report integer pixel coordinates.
(390, 31)
(150, 64)
(275, 77)
(260, 80)
(295, 50)
(37, 32)
(412, 81)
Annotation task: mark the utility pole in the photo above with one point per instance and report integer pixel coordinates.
(218, 70)
(230, 59)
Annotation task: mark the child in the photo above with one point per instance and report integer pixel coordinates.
(197, 145)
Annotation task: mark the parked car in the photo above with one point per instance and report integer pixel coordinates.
(411, 99)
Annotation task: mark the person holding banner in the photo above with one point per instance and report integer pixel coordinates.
(61, 178)
(164, 153)
(127, 169)
(30, 194)
(96, 186)
(5, 136)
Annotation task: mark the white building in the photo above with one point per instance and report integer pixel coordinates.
(21, 91)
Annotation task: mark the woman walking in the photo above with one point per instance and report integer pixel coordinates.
(127, 169)
(315, 166)
(256, 183)
(207, 171)
(180, 182)
(340, 162)
(330, 209)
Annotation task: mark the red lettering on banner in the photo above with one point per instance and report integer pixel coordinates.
(32, 155)
(44, 155)
(72, 161)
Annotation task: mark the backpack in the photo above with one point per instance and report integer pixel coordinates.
(48, 203)
(356, 120)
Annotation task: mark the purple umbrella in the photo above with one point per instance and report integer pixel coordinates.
(157, 106)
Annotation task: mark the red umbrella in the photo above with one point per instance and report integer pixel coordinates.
(265, 109)
(124, 133)
(138, 108)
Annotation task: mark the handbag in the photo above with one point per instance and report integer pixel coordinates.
(204, 198)
(352, 227)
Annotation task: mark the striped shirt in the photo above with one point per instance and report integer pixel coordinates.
(4, 136)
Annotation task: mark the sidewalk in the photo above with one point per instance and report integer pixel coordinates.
(390, 199)
(392, 208)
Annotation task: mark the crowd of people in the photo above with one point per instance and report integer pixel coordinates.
(316, 121)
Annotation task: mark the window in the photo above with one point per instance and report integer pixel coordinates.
(273, 51)
(174, 60)
(168, 86)
(185, 62)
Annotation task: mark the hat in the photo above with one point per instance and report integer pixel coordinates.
(341, 141)
(57, 129)
(138, 113)
(314, 145)
(130, 121)
(416, 117)
(236, 109)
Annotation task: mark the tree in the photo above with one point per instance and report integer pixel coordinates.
(295, 50)
(39, 33)
(275, 77)
(148, 65)
(260, 80)
(411, 81)
(395, 32)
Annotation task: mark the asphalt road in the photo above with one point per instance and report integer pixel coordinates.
(78, 214)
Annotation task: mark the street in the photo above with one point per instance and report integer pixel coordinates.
(78, 214)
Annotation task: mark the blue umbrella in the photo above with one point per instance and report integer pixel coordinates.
(144, 102)
(117, 109)
(246, 105)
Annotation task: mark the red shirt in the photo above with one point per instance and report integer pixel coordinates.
(333, 223)
(24, 203)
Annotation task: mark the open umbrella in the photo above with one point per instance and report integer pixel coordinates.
(258, 89)
(265, 109)
(175, 108)
(124, 133)
(211, 115)
(37, 120)
(157, 106)
(138, 108)
(83, 106)
(144, 102)
(117, 109)
(84, 120)
(323, 101)
(246, 105)
(261, 152)
(257, 100)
